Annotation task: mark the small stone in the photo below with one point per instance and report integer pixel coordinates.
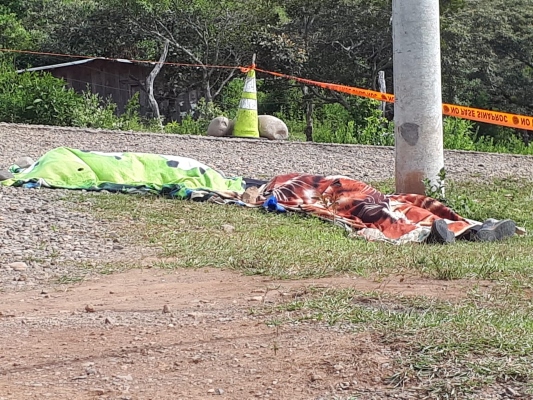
(124, 377)
(18, 266)
(315, 377)
(108, 321)
(338, 367)
(219, 391)
(511, 392)
(166, 309)
(211, 391)
(344, 385)
(4, 174)
(228, 228)
(89, 308)
(24, 162)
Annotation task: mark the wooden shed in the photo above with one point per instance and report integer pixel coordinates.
(119, 80)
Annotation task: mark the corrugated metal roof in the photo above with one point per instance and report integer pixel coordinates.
(78, 62)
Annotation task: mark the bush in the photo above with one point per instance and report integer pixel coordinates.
(459, 134)
(188, 126)
(95, 112)
(33, 98)
(39, 98)
(92, 112)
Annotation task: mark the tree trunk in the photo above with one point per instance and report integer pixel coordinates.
(150, 85)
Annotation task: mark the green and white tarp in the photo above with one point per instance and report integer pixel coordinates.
(67, 168)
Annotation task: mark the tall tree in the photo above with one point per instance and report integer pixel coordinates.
(488, 55)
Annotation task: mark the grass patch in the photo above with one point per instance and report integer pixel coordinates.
(444, 349)
(294, 246)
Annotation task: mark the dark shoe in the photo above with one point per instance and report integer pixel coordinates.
(440, 233)
(492, 231)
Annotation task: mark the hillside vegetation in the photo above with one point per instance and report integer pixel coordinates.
(487, 61)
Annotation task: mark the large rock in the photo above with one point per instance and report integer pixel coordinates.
(220, 126)
(269, 127)
(272, 128)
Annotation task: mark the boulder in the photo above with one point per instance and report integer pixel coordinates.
(272, 128)
(220, 126)
(269, 127)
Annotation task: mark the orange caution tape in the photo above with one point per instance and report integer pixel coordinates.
(338, 88)
(475, 114)
(490, 117)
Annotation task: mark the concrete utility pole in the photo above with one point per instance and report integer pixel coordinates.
(418, 96)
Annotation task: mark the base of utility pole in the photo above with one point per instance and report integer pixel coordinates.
(419, 150)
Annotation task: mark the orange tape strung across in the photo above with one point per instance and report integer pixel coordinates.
(338, 88)
(490, 117)
(475, 114)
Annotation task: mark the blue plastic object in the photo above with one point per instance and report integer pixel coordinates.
(271, 204)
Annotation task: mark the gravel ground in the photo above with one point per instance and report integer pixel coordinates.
(253, 158)
(42, 237)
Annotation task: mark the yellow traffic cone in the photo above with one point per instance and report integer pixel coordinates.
(247, 123)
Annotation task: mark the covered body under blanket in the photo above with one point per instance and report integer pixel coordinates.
(361, 209)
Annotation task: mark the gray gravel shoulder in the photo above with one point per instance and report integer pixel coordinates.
(43, 238)
(254, 158)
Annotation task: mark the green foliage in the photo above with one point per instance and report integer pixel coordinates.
(459, 134)
(446, 193)
(13, 34)
(230, 97)
(92, 112)
(361, 124)
(487, 51)
(39, 98)
(436, 189)
(95, 112)
(35, 98)
(188, 126)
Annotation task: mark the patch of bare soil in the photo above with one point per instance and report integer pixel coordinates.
(189, 334)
